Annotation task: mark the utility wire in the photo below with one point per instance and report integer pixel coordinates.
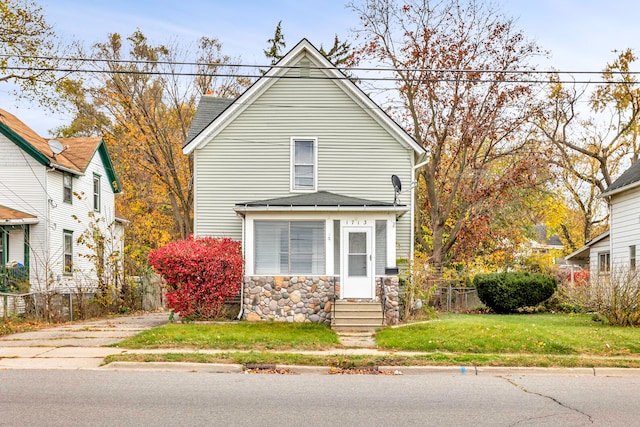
(345, 77)
(307, 67)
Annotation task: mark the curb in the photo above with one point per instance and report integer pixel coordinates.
(215, 368)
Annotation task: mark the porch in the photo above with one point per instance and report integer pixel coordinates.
(317, 299)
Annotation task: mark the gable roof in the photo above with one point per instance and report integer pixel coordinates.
(74, 159)
(319, 201)
(12, 216)
(199, 137)
(628, 180)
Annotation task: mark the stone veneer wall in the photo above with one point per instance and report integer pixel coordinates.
(392, 303)
(290, 299)
(306, 298)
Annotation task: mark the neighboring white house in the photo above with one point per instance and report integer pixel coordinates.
(49, 190)
(623, 196)
(299, 168)
(617, 248)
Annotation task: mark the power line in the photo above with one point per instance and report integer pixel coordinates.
(343, 77)
(311, 67)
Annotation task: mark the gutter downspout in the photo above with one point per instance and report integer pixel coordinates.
(239, 316)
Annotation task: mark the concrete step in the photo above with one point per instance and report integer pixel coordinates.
(356, 328)
(360, 316)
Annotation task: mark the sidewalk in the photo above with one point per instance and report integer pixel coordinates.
(81, 346)
(73, 346)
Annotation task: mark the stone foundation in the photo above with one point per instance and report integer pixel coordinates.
(290, 299)
(306, 298)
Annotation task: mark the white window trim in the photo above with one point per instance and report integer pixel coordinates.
(292, 177)
(64, 176)
(607, 267)
(97, 204)
(65, 234)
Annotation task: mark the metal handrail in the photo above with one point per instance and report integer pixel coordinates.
(383, 299)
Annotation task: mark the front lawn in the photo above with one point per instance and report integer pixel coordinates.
(543, 340)
(553, 334)
(242, 336)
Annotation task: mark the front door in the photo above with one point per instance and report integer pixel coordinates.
(357, 263)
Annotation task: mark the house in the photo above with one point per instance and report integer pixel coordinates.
(618, 247)
(50, 191)
(599, 247)
(623, 196)
(316, 181)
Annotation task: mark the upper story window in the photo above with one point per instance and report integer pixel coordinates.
(96, 193)
(304, 164)
(67, 188)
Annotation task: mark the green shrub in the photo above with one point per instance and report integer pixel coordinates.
(507, 292)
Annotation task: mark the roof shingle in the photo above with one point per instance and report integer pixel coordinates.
(76, 157)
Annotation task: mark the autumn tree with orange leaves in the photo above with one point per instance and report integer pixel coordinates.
(143, 106)
(464, 97)
(593, 146)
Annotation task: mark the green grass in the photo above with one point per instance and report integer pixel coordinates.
(544, 340)
(549, 334)
(242, 336)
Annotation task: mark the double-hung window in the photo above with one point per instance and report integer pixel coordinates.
(289, 247)
(96, 193)
(67, 188)
(304, 164)
(604, 262)
(68, 252)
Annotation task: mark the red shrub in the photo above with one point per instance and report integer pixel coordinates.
(580, 277)
(200, 274)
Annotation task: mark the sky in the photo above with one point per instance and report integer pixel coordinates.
(580, 34)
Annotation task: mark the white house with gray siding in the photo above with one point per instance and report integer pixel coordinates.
(299, 169)
(50, 191)
(617, 248)
(623, 196)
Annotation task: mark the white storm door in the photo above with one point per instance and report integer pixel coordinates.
(357, 262)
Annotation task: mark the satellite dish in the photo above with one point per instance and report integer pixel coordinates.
(56, 146)
(397, 187)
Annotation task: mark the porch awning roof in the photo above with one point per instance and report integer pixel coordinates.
(320, 201)
(9, 216)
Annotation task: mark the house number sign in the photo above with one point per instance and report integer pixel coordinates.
(356, 222)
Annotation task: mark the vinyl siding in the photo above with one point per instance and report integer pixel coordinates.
(250, 159)
(63, 218)
(597, 248)
(625, 226)
(22, 186)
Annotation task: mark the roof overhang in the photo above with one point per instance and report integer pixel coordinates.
(19, 221)
(620, 189)
(246, 209)
(584, 252)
